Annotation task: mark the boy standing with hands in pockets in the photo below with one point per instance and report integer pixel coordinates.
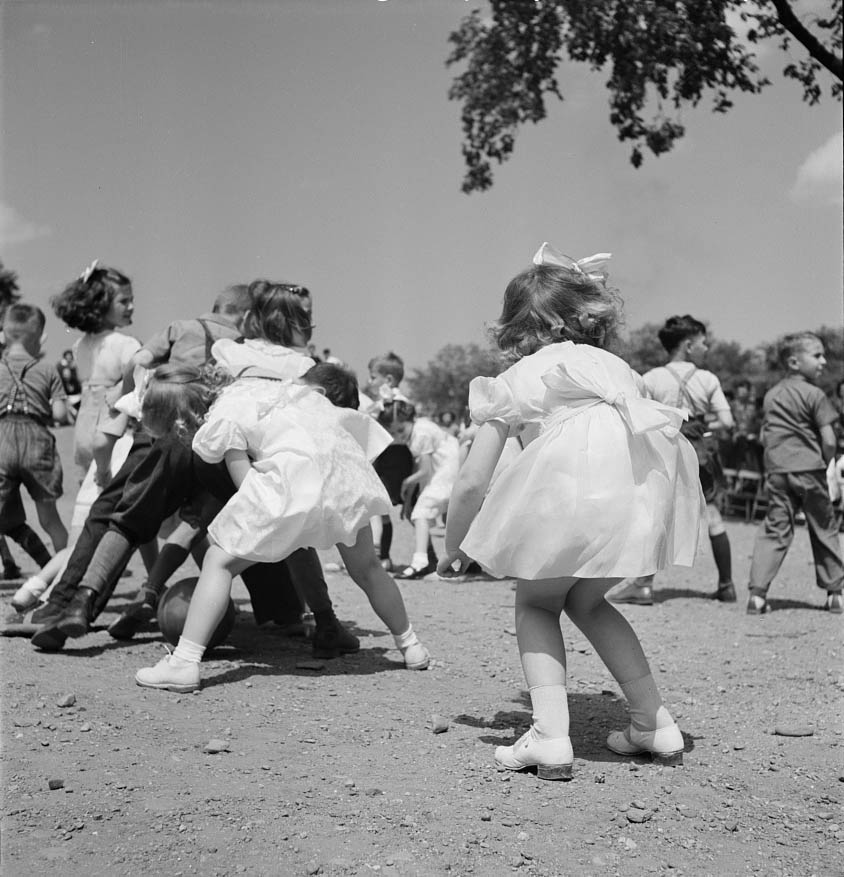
(799, 442)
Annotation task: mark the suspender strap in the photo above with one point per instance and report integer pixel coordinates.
(14, 406)
(209, 338)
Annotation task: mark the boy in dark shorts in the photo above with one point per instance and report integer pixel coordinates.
(799, 442)
(32, 397)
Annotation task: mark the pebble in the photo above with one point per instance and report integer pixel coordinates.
(787, 729)
(636, 815)
(212, 747)
(55, 784)
(310, 665)
(67, 700)
(439, 724)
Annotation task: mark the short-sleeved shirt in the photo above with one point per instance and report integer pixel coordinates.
(428, 438)
(38, 379)
(189, 341)
(794, 412)
(703, 394)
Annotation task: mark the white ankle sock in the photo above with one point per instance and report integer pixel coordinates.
(419, 561)
(646, 710)
(35, 585)
(550, 711)
(406, 639)
(188, 651)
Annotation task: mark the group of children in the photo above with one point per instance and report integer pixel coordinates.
(581, 474)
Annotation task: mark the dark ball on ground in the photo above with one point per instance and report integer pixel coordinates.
(173, 610)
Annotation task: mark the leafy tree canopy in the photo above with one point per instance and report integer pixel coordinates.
(661, 55)
(443, 385)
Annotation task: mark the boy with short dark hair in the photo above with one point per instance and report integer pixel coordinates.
(799, 441)
(32, 397)
(682, 383)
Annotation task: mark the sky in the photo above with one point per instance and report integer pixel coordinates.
(197, 144)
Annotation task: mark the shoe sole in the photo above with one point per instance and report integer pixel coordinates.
(420, 665)
(51, 640)
(179, 688)
(543, 771)
(73, 629)
(668, 759)
(632, 602)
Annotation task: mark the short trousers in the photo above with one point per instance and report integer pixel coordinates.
(393, 465)
(28, 456)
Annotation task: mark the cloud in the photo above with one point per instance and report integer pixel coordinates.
(821, 176)
(16, 229)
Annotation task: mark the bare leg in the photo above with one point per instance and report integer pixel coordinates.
(368, 574)
(48, 517)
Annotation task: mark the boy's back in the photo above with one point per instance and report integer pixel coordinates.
(794, 410)
(28, 386)
(189, 341)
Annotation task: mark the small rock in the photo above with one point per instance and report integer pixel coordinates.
(600, 778)
(55, 784)
(310, 665)
(212, 747)
(636, 815)
(67, 700)
(732, 825)
(373, 793)
(794, 729)
(439, 724)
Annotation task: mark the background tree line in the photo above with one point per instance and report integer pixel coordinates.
(443, 384)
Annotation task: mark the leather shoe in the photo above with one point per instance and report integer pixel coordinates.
(76, 619)
(665, 745)
(411, 572)
(726, 593)
(632, 593)
(49, 638)
(332, 640)
(551, 758)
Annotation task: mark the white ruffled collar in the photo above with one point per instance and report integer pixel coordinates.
(256, 353)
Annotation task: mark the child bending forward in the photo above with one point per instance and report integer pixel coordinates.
(304, 480)
(608, 489)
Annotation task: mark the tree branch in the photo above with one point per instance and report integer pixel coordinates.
(807, 39)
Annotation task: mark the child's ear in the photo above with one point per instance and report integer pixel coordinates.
(388, 380)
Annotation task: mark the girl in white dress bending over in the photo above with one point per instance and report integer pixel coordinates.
(302, 471)
(608, 489)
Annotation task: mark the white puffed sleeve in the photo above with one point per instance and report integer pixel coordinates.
(492, 399)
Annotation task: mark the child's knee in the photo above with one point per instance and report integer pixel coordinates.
(714, 521)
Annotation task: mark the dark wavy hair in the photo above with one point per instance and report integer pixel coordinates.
(340, 384)
(396, 412)
(84, 303)
(547, 303)
(677, 329)
(178, 397)
(277, 312)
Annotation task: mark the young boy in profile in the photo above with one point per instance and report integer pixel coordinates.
(799, 441)
(32, 397)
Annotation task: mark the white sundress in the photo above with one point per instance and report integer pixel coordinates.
(608, 489)
(311, 484)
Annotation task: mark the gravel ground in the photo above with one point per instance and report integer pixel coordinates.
(356, 766)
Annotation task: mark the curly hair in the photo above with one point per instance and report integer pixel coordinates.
(546, 304)
(277, 312)
(84, 303)
(178, 397)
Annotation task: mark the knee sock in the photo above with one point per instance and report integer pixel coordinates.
(6, 554)
(550, 711)
(386, 540)
(723, 561)
(110, 558)
(170, 558)
(28, 539)
(189, 652)
(646, 710)
(432, 555)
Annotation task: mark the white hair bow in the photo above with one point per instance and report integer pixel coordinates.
(85, 276)
(593, 267)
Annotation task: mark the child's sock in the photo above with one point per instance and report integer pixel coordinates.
(386, 540)
(646, 710)
(406, 639)
(419, 561)
(550, 711)
(28, 593)
(432, 555)
(28, 539)
(723, 559)
(188, 652)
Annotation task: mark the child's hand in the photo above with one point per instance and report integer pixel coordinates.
(102, 477)
(453, 564)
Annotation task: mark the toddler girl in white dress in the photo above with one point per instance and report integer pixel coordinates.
(608, 489)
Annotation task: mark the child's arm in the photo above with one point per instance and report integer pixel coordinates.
(59, 407)
(238, 464)
(469, 492)
(827, 434)
(422, 475)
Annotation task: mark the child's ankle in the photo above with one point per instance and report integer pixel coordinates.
(188, 652)
(406, 639)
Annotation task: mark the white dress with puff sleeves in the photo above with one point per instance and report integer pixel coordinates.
(609, 489)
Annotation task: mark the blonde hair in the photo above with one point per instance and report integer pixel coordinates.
(178, 397)
(548, 303)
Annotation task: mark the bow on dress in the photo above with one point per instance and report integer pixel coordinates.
(583, 385)
(593, 267)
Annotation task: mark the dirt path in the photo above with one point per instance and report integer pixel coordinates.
(333, 767)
